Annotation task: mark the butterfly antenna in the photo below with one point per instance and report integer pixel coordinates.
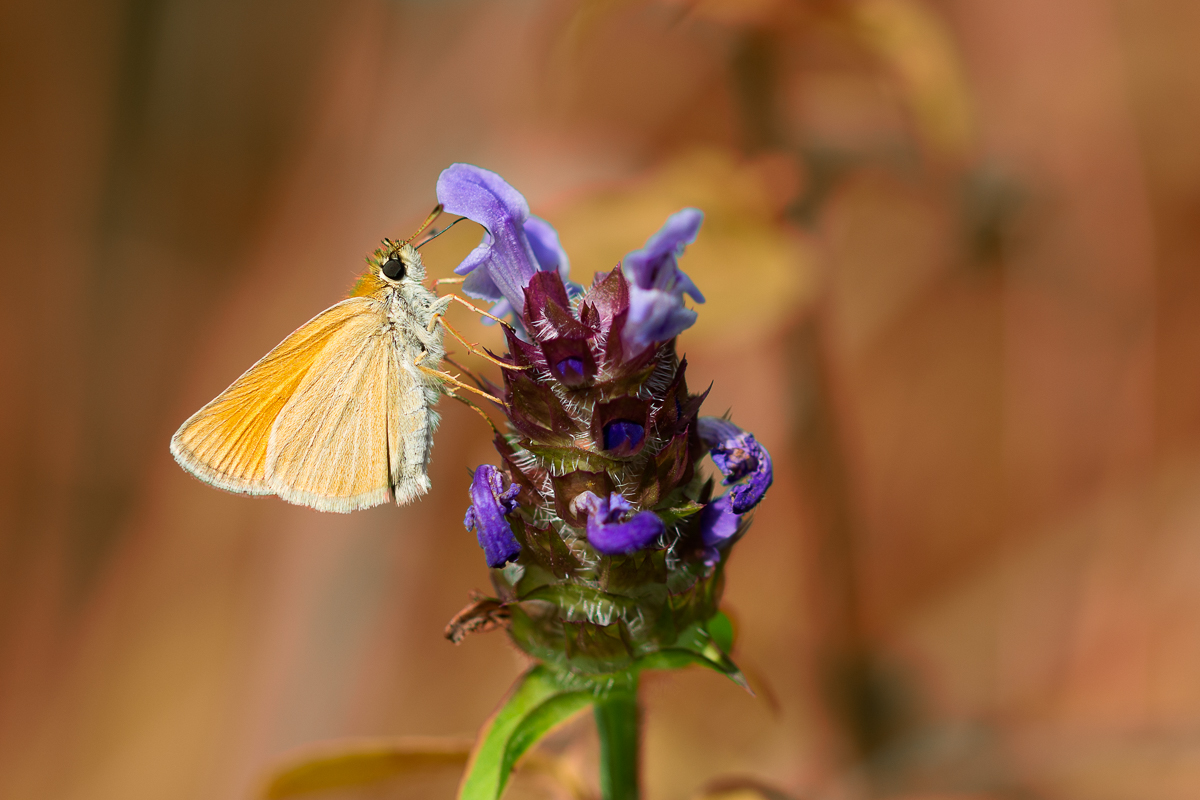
(433, 236)
(437, 212)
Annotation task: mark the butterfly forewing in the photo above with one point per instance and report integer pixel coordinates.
(225, 443)
(329, 446)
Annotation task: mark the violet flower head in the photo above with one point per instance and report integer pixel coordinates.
(657, 285)
(608, 529)
(616, 550)
(490, 503)
(738, 456)
(515, 244)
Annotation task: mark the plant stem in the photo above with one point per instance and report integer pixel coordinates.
(618, 723)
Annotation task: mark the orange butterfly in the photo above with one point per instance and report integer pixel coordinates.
(339, 416)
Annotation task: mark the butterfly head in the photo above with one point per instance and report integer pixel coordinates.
(398, 263)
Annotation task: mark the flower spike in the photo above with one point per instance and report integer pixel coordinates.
(618, 542)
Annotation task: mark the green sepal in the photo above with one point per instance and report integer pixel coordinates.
(545, 549)
(538, 702)
(580, 603)
(562, 460)
(675, 509)
(694, 646)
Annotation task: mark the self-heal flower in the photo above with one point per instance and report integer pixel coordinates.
(618, 545)
(739, 456)
(608, 529)
(490, 503)
(657, 285)
(515, 244)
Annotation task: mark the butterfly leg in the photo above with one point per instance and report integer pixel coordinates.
(472, 347)
(440, 281)
(475, 308)
(447, 377)
(477, 410)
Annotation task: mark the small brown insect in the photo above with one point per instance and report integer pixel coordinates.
(482, 615)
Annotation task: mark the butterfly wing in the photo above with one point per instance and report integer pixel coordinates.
(225, 443)
(339, 443)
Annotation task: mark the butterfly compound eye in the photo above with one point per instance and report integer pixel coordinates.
(394, 269)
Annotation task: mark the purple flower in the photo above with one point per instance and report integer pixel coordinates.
(608, 534)
(717, 524)
(548, 251)
(490, 501)
(738, 456)
(515, 244)
(623, 436)
(657, 285)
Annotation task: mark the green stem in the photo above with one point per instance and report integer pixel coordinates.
(617, 722)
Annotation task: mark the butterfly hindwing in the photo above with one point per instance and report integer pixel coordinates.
(331, 446)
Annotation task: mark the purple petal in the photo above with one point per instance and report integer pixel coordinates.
(654, 316)
(623, 435)
(655, 265)
(657, 285)
(505, 254)
(569, 360)
(490, 502)
(717, 524)
(543, 240)
(714, 430)
(572, 370)
(608, 534)
(619, 426)
(739, 457)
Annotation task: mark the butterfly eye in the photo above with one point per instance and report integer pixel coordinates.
(393, 268)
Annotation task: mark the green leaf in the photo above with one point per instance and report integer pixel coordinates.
(674, 658)
(538, 703)
(539, 722)
(720, 628)
(362, 763)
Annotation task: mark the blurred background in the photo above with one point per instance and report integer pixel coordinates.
(951, 260)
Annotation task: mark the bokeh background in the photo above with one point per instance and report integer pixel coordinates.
(951, 257)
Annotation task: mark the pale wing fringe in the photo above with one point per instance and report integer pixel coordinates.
(225, 442)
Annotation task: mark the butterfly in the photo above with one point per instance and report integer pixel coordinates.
(339, 416)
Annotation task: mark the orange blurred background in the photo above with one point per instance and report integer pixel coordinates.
(951, 257)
